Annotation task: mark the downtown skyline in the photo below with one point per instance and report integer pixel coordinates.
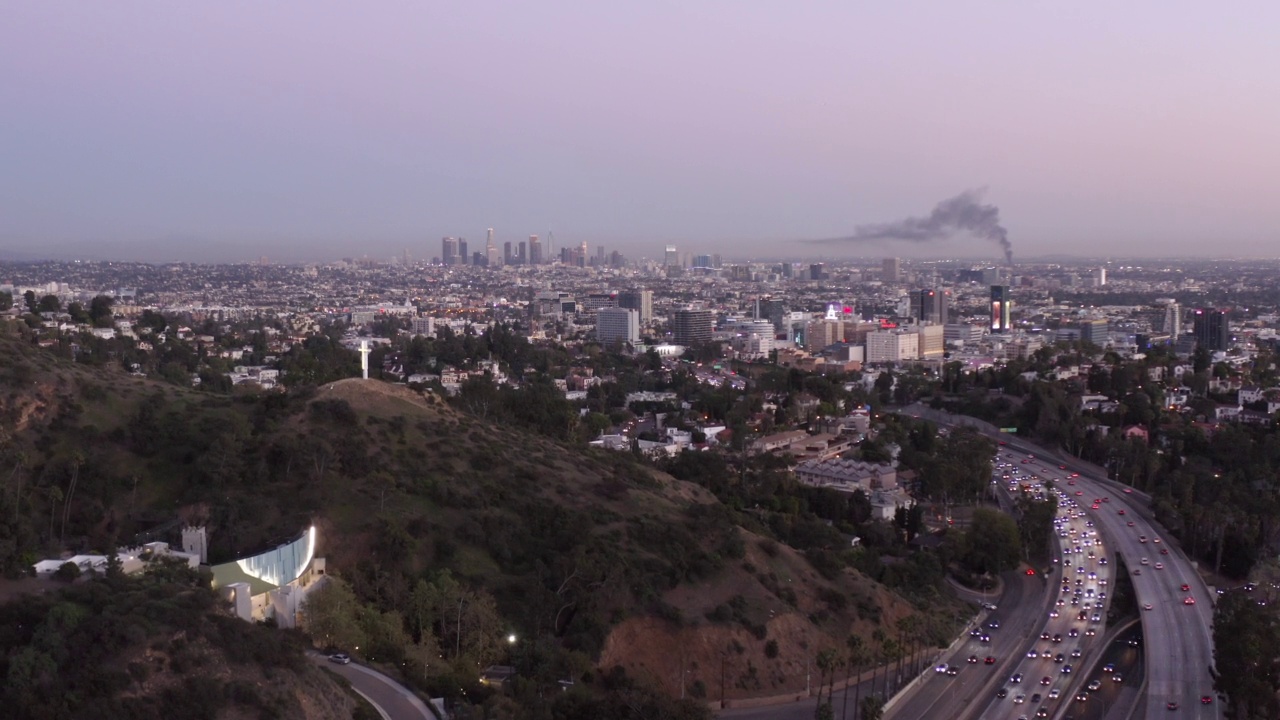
(222, 134)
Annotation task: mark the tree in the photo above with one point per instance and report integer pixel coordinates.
(100, 311)
(331, 615)
(67, 572)
(49, 304)
(6, 301)
(993, 542)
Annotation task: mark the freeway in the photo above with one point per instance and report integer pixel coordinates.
(1179, 643)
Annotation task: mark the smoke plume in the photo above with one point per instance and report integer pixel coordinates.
(963, 213)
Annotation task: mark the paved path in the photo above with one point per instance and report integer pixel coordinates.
(392, 700)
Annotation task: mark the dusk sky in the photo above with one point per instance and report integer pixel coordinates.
(219, 131)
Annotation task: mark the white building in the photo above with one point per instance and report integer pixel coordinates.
(889, 346)
(614, 324)
(424, 326)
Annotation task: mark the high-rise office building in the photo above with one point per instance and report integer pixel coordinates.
(507, 257)
(692, 327)
(449, 251)
(1211, 329)
(932, 306)
(523, 257)
(671, 258)
(1094, 331)
(817, 271)
(535, 250)
(462, 252)
(1001, 309)
(616, 324)
(490, 250)
(639, 300)
(891, 270)
(1173, 319)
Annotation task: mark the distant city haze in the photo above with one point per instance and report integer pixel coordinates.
(307, 131)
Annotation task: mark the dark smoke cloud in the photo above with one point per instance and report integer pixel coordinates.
(963, 213)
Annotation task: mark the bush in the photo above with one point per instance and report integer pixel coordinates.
(771, 649)
(67, 572)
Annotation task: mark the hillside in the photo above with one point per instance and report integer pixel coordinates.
(593, 557)
(155, 646)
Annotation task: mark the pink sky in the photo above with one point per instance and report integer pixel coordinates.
(317, 129)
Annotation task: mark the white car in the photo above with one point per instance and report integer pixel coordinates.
(340, 658)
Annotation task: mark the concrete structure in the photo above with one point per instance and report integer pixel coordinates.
(931, 342)
(819, 334)
(639, 300)
(615, 324)
(692, 327)
(132, 560)
(272, 584)
(891, 270)
(888, 346)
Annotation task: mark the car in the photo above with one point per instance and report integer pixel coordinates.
(1188, 600)
(1059, 658)
(1147, 606)
(1082, 696)
(1185, 587)
(941, 668)
(1002, 693)
(1076, 653)
(1121, 512)
(989, 661)
(1164, 551)
(1015, 679)
(1109, 667)
(984, 638)
(1032, 653)
(1035, 697)
(1071, 482)
(1046, 680)
(953, 670)
(1128, 491)
(1145, 561)
(1130, 523)
(1043, 712)
(1137, 571)
(1066, 669)
(1117, 678)
(993, 625)
(973, 659)
(1044, 636)
(1091, 632)
(1159, 566)
(1094, 684)
(1019, 699)
(1075, 632)
(1206, 699)
(1155, 540)
(1142, 539)
(340, 658)
(1172, 705)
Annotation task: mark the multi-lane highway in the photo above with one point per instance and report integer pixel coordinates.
(1177, 628)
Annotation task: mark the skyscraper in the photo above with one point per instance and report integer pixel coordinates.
(449, 251)
(523, 257)
(692, 327)
(535, 250)
(507, 257)
(490, 250)
(1173, 319)
(464, 256)
(891, 270)
(639, 300)
(933, 306)
(1211, 329)
(616, 324)
(1001, 309)
(671, 258)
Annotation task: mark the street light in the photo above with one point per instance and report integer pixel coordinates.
(511, 639)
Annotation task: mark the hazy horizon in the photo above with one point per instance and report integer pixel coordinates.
(304, 132)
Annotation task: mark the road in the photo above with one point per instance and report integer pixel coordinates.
(390, 697)
(1179, 643)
